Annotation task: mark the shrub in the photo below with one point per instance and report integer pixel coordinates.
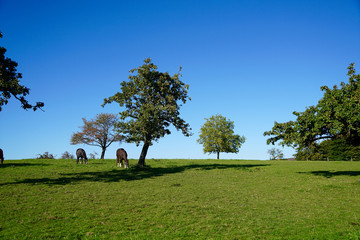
(67, 155)
(46, 155)
(93, 155)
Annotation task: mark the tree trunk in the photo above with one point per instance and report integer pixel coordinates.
(103, 153)
(218, 155)
(144, 150)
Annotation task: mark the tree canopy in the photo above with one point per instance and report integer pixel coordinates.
(98, 132)
(10, 83)
(217, 135)
(336, 116)
(151, 102)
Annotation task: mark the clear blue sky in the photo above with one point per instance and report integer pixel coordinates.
(254, 62)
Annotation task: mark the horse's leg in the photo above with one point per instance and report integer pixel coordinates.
(126, 163)
(121, 162)
(117, 162)
(77, 160)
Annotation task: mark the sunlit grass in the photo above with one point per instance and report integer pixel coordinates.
(180, 199)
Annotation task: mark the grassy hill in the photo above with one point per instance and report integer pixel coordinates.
(180, 199)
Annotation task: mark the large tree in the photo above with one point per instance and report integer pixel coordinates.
(98, 132)
(217, 135)
(151, 102)
(336, 116)
(10, 83)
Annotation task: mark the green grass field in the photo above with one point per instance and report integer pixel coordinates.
(180, 199)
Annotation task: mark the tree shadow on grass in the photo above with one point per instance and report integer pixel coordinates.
(131, 174)
(330, 174)
(6, 165)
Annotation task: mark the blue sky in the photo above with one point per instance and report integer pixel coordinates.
(254, 62)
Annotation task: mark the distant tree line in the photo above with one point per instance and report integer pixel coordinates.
(65, 155)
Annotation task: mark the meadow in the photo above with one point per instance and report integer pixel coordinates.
(179, 199)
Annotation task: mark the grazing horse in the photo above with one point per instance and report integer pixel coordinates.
(1, 156)
(80, 153)
(120, 156)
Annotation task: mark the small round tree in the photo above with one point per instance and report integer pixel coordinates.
(217, 135)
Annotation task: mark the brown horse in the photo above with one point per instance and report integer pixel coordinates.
(80, 153)
(120, 156)
(1, 156)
